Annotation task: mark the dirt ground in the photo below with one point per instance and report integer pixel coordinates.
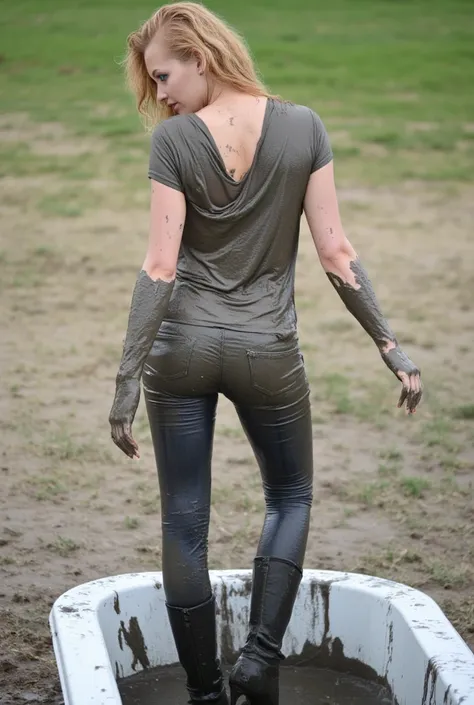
(393, 495)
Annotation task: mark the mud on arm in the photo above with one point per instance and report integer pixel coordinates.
(148, 307)
(350, 279)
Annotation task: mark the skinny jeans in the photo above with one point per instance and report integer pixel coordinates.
(263, 375)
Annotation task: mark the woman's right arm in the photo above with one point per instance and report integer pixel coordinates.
(148, 307)
(348, 276)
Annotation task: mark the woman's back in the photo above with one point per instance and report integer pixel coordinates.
(240, 238)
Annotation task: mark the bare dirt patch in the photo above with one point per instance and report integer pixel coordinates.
(393, 495)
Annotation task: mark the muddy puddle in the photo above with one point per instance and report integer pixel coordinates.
(302, 685)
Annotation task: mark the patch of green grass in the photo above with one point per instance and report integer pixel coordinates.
(68, 202)
(7, 560)
(345, 152)
(63, 546)
(461, 615)
(244, 503)
(449, 484)
(317, 419)
(53, 206)
(17, 159)
(26, 280)
(222, 495)
(370, 494)
(141, 423)
(437, 432)
(148, 550)
(338, 325)
(409, 556)
(450, 576)
(392, 455)
(44, 251)
(401, 138)
(335, 388)
(387, 470)
(392, 562)
(393, 460)
(375, 66)
(230, 431)
(241, 461)
(464, 412)
(450, 463)
(131, 523)
(365, 402)
(60, 445)
(151, 504)
(31, 269)
(415, 315)
(48, 487)
(414, 486)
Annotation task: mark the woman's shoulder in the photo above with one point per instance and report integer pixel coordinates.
(172, 130)
(300, 114)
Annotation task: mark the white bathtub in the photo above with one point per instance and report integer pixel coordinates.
(112, 628)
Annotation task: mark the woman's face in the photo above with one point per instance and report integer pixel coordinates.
(181, 85)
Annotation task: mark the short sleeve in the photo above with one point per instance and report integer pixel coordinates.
(164, 163)
(322, 152)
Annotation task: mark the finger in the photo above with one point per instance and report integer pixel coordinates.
(131, 443)
(129, 449)
(414, 401)
(417, 391)
(124, 447)
(403, 396)
(414, 383)
(132, 449)
(120, 440)
(114, 432)
(410, 396)
(127, 432)
(419, 385)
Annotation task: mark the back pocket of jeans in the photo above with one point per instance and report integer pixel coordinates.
(170, 355)
(275, 372)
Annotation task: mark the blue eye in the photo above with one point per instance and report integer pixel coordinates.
(162, 77)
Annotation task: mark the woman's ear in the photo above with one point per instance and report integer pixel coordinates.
(200, 63)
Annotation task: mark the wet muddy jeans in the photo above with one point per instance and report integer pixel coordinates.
(264, 376)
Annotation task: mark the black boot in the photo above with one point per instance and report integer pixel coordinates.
(256, 672)
(194, 631)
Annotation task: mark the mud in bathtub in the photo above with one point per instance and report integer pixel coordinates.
(299, 685)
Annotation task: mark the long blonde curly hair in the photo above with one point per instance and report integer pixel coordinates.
(190, 29)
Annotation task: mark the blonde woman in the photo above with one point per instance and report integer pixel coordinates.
(232, 168)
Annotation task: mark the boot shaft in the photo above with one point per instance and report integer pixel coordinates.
(194, 631)
(275, 586)
(256, 672)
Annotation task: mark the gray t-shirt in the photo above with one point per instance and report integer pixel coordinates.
(236, 264)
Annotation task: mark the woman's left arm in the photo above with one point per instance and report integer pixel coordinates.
(350, 279)
(149, 304)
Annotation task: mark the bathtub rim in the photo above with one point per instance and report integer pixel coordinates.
(442, 644)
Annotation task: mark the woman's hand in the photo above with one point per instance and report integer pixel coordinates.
(127, 397)
(408, 373)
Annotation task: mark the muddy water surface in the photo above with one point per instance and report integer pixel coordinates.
(299, 686)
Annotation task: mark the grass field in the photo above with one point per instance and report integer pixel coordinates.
(394, 496)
